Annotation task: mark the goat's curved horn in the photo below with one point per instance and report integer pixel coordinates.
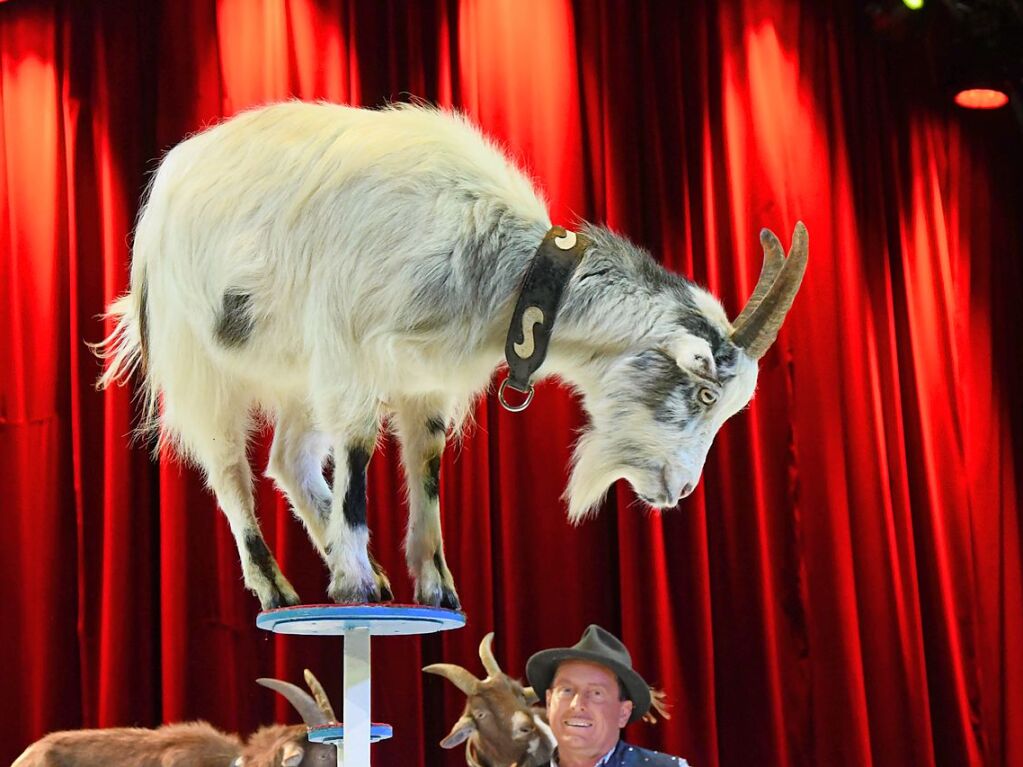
(457, 675)
(303, 702)
(756, 327)
(320, 695)
(659, 702)
(487, 656)
(774, 259)
(530, 695)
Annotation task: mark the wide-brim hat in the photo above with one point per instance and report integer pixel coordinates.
(600, 646)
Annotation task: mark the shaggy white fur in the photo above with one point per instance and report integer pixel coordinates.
(333, 269)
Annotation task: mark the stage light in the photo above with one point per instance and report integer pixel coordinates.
(981, 98)
(913, 5)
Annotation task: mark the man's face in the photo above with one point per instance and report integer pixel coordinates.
(584, 710)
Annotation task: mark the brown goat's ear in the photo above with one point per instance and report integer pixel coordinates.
(463, 728)
(531, 696)
(291, 754)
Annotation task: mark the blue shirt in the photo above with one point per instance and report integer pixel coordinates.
(625, 755)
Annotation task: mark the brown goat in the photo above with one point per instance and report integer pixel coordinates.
(501, 726)
(195, 744)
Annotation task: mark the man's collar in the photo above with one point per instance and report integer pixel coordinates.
(540, 298)
(603, 760)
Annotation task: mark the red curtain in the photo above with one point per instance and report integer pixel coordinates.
(845, 585)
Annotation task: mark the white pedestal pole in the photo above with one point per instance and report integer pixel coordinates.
(353, 751)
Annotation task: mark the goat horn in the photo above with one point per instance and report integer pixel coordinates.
(756, 327)
(774, 259)
(530, 695)
(457, 675)
(487, 656)
(320, 695)
(659, 701)
(303, 702)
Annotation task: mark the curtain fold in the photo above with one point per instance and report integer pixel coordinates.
(844, 585)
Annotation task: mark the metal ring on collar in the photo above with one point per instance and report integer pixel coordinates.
(514, 408)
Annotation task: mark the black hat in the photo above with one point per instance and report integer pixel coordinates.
(596, 646)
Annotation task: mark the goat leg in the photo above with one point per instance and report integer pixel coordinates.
(422, 428)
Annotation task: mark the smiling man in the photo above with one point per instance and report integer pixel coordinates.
(592, 692)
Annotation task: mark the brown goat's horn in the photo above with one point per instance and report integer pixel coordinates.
(320, 695)
(659, 701)
(487, 656)
(774, 259)
(530, 695)
(757, 325)
(457, 675)
(303, 702)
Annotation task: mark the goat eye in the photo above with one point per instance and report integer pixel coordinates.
(480, 714)
(707, 396)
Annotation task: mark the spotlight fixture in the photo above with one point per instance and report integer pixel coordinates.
(913, 5)
(984, 60)
(981, 98)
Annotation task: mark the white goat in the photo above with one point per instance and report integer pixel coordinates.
(195, 744)
(332, 268)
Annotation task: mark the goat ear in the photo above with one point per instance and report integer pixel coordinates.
(291, 754)
(692, 353)
(463, 728)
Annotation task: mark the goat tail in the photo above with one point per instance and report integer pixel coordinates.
(126, 350)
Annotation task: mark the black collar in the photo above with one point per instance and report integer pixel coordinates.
(540, 298)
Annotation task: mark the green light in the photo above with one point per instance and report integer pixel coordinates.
(914, 5)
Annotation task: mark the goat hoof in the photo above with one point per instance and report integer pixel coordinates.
(383, 590)
(442, 597)
(449, 599)
(360, 594)
(280, 599)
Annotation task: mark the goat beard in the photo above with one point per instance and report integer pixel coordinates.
(594, 470)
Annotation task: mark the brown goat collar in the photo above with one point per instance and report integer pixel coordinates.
(540, 298)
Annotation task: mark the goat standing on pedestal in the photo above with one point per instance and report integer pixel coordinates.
(331, 269)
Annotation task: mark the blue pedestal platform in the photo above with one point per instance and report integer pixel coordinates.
(338, 620)
(335, 733)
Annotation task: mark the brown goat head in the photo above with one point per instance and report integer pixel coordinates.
(502, 727)
(280, 746)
